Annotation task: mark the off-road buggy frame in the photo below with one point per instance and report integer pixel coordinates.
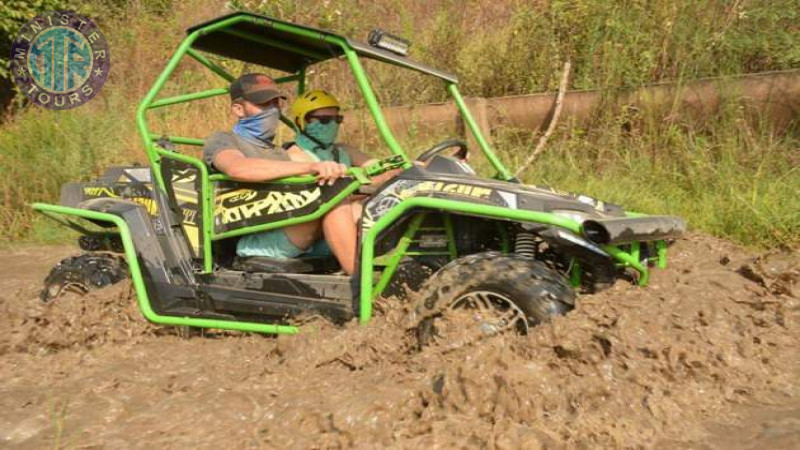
(175, 220)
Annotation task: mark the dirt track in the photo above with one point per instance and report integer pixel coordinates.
(703, 358)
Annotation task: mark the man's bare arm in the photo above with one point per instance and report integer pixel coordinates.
(233, 163)
(359, 158)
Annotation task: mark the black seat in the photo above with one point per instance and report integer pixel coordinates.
(271, 265)
(309, 264)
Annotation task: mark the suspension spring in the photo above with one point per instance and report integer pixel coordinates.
(525, 244)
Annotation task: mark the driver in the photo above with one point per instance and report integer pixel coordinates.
(248, 154)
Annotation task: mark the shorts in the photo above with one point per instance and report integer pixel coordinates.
(272, 244)
(320, 248)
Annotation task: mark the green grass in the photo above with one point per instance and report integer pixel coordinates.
(43, 149)
(726, 176)
(725, 181)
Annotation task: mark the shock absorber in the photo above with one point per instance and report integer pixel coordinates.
(525, 244)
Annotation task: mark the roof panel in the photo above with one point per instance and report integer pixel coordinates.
(255, 41)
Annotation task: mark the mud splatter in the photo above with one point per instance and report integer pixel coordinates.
(670, 365)
(109, 316)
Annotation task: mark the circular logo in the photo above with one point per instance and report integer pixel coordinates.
(60, 60)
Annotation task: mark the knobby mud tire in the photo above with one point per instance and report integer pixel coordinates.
(410, 276)
(84, 273)
(537, 290)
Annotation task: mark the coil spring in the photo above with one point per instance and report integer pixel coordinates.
(525, 244)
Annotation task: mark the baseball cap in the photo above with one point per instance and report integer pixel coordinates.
(255, 88)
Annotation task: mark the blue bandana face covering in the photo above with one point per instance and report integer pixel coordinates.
(259, 128)
(322, 132)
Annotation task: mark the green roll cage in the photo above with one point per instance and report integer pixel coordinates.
(213, 37)
(232, 27)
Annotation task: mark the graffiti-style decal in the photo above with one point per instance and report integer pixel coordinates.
(380, 204)
(98, 191)
(190, 216)
(183, 196)
(184, 175)
(148, 203)
(400, 190)
(143, 198)
(240, 205)
(185, 191)
(448, 188)
(233, 207)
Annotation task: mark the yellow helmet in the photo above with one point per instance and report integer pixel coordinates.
(307, 102)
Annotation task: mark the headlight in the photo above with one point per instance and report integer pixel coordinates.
(381, 39)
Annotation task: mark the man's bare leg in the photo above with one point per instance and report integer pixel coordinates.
(339, 227)
(304, 235)
(357, 207)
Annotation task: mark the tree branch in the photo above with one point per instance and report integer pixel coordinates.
(562, 88)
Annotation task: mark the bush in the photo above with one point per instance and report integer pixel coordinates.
(727, 178)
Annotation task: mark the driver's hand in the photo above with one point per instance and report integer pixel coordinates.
(328, 171)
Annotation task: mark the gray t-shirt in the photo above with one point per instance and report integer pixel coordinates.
(223, 140)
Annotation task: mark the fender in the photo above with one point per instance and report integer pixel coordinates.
(374, 225)
(150, 265)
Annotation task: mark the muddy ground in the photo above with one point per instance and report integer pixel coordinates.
(707, 356)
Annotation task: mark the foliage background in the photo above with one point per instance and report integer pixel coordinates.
(734, 175)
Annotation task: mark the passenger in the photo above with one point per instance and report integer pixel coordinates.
(249, 154)
(316, 117)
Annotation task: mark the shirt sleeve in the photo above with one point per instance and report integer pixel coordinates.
(216, 143)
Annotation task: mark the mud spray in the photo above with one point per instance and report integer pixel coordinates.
(705, 357)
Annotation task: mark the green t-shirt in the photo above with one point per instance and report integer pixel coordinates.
(328, 154)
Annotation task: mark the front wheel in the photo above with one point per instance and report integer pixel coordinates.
(483, 295)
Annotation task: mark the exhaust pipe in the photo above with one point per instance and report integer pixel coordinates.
(624, 230)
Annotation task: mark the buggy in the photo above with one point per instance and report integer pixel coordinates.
(506, 254)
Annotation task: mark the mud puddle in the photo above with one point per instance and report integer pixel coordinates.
(710, 347)
(753, 428)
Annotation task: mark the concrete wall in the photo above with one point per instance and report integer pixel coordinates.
(775, 95)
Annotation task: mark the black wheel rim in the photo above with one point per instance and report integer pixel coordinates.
(474, 317)
(494, 313)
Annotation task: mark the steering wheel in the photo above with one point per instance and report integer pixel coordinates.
(442, 146)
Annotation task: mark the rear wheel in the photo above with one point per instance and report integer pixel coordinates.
(84, 273)
(483, 295)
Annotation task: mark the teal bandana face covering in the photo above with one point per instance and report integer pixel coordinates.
(259, 128)
(317, 133)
